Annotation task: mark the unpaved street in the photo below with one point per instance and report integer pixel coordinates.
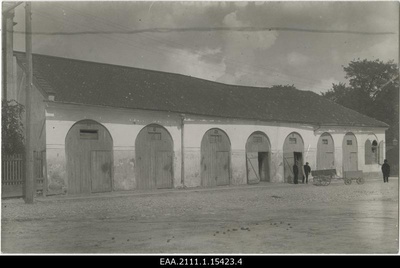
(264, 218)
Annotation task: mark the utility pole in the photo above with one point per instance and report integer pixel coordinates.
(7, 49)
(183, 150)
(4, 54)
(29, 176)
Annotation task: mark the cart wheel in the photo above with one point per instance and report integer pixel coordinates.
(328, 181)
(360, 180)
(325, 181)
(347, 181)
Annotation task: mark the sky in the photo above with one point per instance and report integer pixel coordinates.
(331, 35)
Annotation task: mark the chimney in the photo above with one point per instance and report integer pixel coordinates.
(51, 96)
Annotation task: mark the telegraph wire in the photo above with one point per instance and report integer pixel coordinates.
(275, 71)
(154, 51)
(274, 74)
(209, 29)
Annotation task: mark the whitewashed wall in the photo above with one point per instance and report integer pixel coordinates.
(124, 126)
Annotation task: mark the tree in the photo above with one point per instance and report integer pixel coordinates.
(285, 87)
(373, 90)
(12, 128)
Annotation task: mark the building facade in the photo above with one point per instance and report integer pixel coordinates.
(112, 128)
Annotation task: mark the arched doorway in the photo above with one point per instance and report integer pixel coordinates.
(215, 158)
(350, 152)
(89, 150)
(154, 158)
(293, 149)
(325, 152)
(258, 158)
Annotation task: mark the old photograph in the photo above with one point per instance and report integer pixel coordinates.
(229, 128)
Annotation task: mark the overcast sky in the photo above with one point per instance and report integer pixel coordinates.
(309, 60)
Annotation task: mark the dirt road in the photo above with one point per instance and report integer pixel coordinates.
(266, 218)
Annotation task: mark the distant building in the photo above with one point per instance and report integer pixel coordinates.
(112, 128)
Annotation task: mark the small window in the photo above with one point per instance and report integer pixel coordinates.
(257, 139)
(292, 140)
(89, 134)
(324, 141)
(215, 138)
(152, 129)
(349, 142)
(155, 136)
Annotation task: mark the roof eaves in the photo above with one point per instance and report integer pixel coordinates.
(219, 116)
(39, 83)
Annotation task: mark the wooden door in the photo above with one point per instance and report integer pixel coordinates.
(353, 162)
(350, 153)
(368, 153)
(144, 167)
(381, 153)
(163, 170)
(222, 168)
(298, 157)
(329, 160)
(101, 170)
(325, 152)
(215, 158)
(154, 158)
(83, 138)
(288, 162)
(253, 175)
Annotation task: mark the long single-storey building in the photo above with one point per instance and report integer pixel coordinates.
(112, 128)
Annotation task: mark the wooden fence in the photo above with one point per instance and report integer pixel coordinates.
(39, 165)
(12, 169)
(13, 173)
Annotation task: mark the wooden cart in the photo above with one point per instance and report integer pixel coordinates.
(323, 177)
(349, 176)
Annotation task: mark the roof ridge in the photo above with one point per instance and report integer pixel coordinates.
(146, 70)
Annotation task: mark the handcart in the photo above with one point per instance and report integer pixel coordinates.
(349, 176)
(323, 177)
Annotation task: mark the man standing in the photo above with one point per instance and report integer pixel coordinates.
(307, 171)
(295, 173)
(385, 171)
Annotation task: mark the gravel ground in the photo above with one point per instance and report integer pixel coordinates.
(190, 220)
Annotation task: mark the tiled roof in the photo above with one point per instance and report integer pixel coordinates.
(91, 83)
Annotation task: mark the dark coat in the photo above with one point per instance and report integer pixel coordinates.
(386, 169)
(295, 170)
(307, 169)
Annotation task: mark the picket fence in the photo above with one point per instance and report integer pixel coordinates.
(13, 173)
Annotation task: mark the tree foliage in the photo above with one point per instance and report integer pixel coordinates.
(373, 90)
(290, 87)
(11, 127)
